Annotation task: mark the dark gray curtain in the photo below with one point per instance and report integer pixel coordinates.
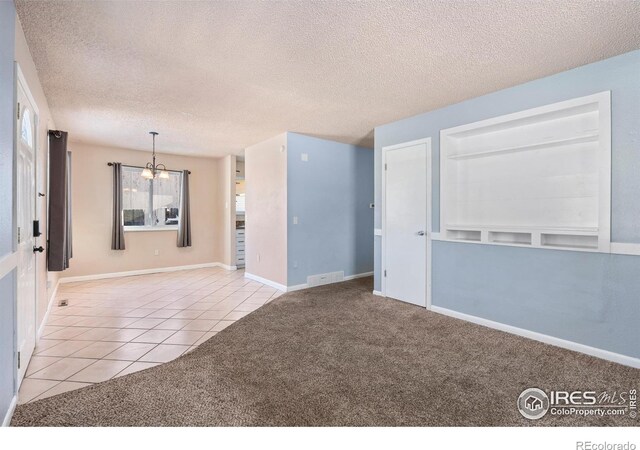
(117, 233)
(184, 215)
(59, 240)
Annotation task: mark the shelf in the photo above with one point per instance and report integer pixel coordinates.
(553, 199)
(568, 240)
(588, 231)
(464, 235)
(543, 114)
(506, 237)
(593, 137)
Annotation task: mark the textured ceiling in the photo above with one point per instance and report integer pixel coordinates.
(215, 77)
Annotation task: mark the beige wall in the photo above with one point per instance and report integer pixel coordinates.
(266, 216)
(45, 123)
(227, 206)
(92, 212)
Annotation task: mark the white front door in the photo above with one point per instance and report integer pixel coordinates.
(26, 205)
(406, 230)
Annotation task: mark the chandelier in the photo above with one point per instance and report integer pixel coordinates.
(153, 170)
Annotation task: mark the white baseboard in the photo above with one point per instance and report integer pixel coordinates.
(378, 293)
(298, 287)
(224, 266)
(12, 407)
(358, 275)
(101, 276)
(46, 314)
(546, 339)
(273, 284)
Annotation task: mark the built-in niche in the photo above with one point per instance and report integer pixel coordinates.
(537, 178)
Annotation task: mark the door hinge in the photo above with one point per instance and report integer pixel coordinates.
(18, 110)
(19, 235)
(385, 273)
(18, 360)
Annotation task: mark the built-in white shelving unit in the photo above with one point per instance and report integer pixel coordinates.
(537, 178)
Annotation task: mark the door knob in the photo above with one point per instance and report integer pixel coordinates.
(420, 233)
(38, 249)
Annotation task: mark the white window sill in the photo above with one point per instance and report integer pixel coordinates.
(137, 229)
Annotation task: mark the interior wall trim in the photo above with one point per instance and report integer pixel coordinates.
(12, 407)
(273, 284)
(46, 314)
(616, 248)
(358, 275)
(100, 276)
(8, 263)
(544, 338)
(622, 248)
(298, 287)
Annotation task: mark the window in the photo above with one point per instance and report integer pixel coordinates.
(150, 203)
(27, 129)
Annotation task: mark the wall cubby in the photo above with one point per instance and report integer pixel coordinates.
(539, 178)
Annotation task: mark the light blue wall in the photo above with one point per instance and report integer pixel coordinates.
(7, 341)
(7, 283)
(588, 298)
(330, 194)
(7, 50)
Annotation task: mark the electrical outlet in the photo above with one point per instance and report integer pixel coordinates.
(295, 264)
(304, 157)
(156, 252)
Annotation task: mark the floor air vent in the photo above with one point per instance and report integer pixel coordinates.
(325, 278)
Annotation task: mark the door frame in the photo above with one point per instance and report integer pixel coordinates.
(428, 231)
(21, 82)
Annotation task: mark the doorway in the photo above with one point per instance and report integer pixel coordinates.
(26, 158)
(406, 222)
(240, 213)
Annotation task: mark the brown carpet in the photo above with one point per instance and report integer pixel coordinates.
(337, 355)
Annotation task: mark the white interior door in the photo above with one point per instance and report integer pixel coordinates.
(406, 227)
(26, 208)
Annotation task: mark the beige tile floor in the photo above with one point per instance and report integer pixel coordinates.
(118, 326)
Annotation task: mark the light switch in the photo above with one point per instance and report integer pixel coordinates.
(295, 220)
(304, 157)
